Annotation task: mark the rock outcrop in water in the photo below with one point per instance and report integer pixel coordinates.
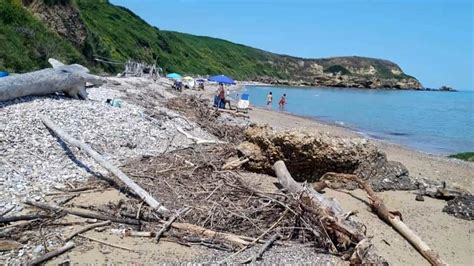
(309, 157)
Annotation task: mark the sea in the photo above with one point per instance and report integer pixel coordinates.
(439, 123)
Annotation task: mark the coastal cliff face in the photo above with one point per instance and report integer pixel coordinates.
(96, 28)
(348, 72)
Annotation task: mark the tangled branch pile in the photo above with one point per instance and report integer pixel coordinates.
(207, 118)
(224, 202)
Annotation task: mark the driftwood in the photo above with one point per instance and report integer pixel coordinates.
(85, 214)
(235, 164)
(171, 220)
(107, 243)
(85, 229)
(329, 209)
(131, 233)
(70, 79)
(331, 215)
(52, 254)
(395, 221)
(198, 230)
(107, 165)
(265, 247)
(22, 218)
(7, 211)
(198, 140)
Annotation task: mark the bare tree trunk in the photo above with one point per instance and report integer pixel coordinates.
(144, 195)
(70, 79)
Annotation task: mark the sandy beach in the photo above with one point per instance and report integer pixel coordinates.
(122, 141)
(448, 235)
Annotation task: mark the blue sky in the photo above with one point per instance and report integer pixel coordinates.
(430, 39)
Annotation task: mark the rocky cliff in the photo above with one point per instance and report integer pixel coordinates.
(100, 29)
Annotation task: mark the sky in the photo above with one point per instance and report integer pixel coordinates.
(431, 40)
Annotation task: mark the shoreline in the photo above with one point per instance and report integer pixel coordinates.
(415, 141)
(419, 163)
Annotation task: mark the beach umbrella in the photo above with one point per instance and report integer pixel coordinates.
(174, 76)
(222, 79)
(3, 74)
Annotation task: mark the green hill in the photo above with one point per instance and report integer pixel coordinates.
(83, 30)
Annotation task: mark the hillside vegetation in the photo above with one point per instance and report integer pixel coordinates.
(93, 29)
(26, 43)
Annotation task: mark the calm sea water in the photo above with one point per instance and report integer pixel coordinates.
(433, 122)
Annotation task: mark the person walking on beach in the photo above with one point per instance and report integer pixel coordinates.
(269, 100)
(282, 102)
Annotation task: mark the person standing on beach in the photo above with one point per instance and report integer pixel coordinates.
(269, 100)
(282, 102)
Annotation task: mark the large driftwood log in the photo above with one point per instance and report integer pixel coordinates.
(332, 216)
(395, 221)
(144, 195)
(70, 79)
(329, 209)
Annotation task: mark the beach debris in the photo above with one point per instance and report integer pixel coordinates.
(85, 229)
(461, 207)
(225, 126)
(7, 245)
(107, 243)
(394, 218)
(264, 248)
(419, 197)
(131, 233)
(235, 164)
(68, 246)
(114, 102)
(81, 213)
(311, 156)
(140, 69)
(345, 229)
(198, 140)
(70, 79)
(107, 165)
(170, 221)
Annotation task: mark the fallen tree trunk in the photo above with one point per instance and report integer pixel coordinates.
(395, 221)
(70, 79)
(144, 195)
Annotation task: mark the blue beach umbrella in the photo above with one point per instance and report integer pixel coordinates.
(174, 76)
(222, 79)
(3, 74)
